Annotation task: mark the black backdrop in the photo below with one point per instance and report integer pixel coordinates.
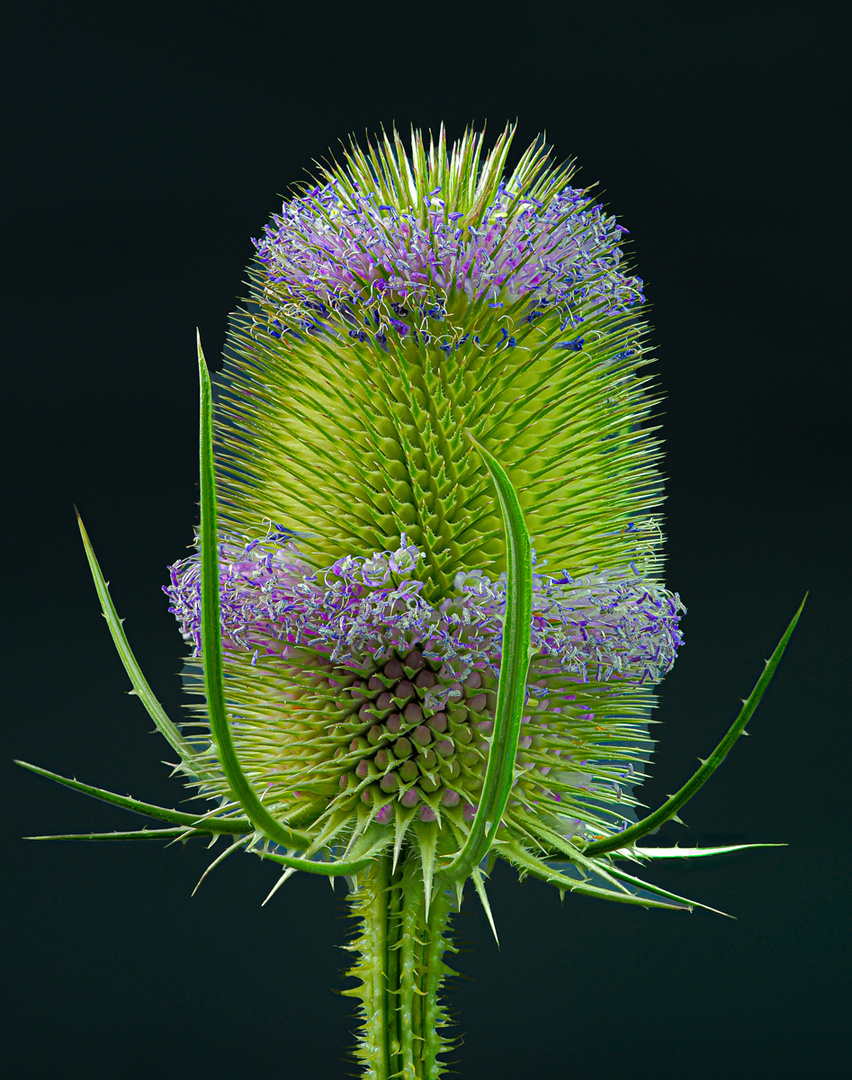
(144, 146)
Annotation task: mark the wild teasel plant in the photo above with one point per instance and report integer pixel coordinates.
(435, 363)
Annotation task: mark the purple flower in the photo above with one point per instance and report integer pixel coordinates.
(601, 626)
(334, 252)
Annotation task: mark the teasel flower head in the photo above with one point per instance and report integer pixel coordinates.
(409, 299)
(426, 615)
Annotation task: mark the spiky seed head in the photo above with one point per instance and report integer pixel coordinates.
(407, 298)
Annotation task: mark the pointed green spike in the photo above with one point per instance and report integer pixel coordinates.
(362, 834)
(670, 808)
(141, 834)
(427, 843)
(541, 833)
(479, 885)
(235, 846)
(628, 898)
(511, 691)
(285, 876)
(637, 883)
(374, 838)
(526, 861)
(402, 819)
(200, 822)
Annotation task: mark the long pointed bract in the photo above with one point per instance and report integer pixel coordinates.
(210, 824)
(212, 636)
(511, 693)
(671, 806)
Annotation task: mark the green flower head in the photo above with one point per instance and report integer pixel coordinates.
(407, 301)
(438, 366)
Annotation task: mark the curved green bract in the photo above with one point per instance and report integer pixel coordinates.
(200, 822)
(671, 806)
(211, 636)
(357, 860)
(511, 691)
(527, 863)
(140, 684)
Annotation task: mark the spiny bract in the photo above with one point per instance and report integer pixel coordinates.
(406, 301)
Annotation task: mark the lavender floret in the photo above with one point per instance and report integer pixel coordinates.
(332, 250)
(601, 626)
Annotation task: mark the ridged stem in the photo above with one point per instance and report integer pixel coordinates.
(400, 969)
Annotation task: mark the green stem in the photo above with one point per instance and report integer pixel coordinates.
(400, 969)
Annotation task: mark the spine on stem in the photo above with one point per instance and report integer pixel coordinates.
(400, 969)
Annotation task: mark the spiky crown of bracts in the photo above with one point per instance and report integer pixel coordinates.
(396, 306)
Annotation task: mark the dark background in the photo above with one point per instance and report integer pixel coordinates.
(144, 146)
